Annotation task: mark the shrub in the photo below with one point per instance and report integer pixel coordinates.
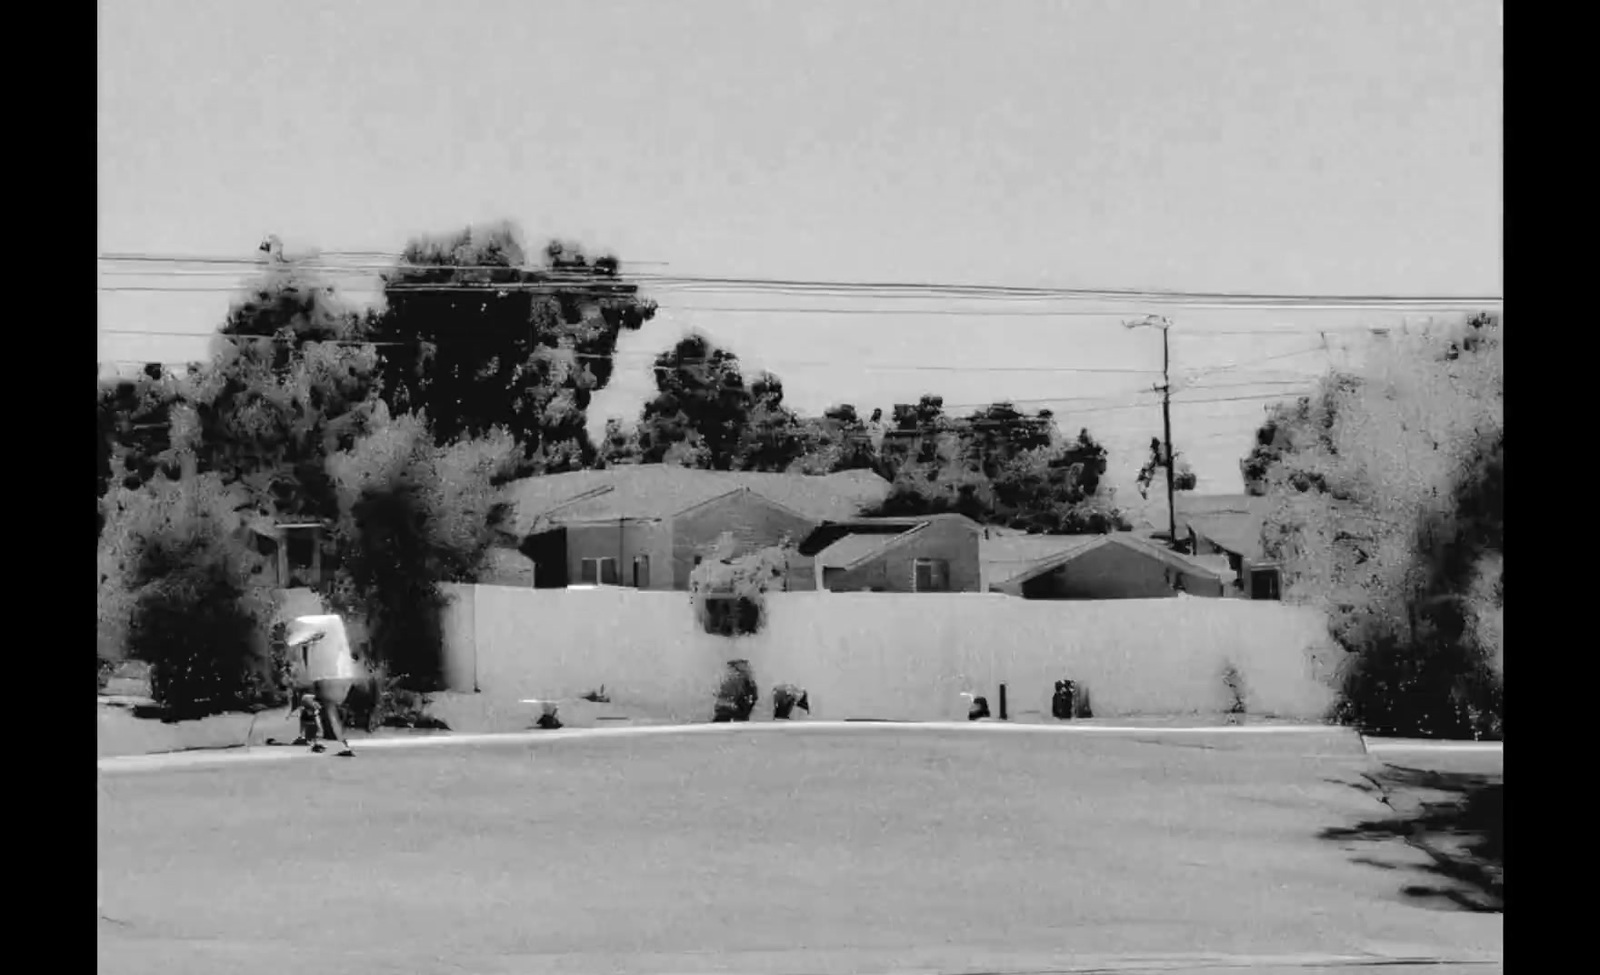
(1233, 683)
(413, 515)
(171, 554)
(201, 641)
(382, 701)
(728, 593)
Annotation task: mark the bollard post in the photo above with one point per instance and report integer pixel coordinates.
(1003, 702)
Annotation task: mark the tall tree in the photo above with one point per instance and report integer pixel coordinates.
(1389, 513)
(997, 465)
(481, 339)
(838, 440)
(705, 414)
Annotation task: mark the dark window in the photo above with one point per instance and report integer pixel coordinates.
(932, 575)
(300, 555)
(1264, 584)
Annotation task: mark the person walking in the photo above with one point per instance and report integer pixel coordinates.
(325, 655)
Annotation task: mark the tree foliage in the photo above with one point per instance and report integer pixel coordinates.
(714, 418)
(414, 514)
(1388, 491)
(481, 340)
(177, 587)
(998, 465)
(1183, 478)
(728, 591)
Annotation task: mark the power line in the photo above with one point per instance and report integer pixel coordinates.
(876, 288)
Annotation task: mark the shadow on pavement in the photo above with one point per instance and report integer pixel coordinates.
(1456, 819)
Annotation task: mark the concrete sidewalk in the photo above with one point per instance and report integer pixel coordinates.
(1339, 740)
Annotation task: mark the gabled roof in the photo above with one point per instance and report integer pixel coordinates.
(1006, 556)
(852, 550)
(1070, 547)
(646, 492)
(1232, 522)
(830, 533)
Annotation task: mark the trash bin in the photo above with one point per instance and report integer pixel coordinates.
(1063, 702)
(979, 709)
(737, 696)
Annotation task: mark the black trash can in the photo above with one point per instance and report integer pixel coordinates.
(737, 696)
(1063, 702)
(979, 709)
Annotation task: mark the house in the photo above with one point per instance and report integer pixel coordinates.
(932, 553)
(1230, 526)
(1115, 566)
(647, 526)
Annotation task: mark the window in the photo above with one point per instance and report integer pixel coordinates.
(300, 556)
(598, 572)
(641, 572)
(931, 575)
(1264, 584)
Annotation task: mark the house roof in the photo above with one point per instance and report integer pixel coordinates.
(1058, 550)
(658, 491)
(1006, 556)
(852, 550)
(1230, 521)
(830, 533)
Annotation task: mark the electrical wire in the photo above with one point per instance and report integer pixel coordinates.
(551, 277)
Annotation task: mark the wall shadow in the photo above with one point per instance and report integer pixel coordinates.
(1456, 819)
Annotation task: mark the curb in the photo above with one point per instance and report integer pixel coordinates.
(1380, 746)
(261, 753)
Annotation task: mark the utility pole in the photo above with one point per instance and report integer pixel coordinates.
(1165, 389)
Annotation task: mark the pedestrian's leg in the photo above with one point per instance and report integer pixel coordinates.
(331, 694)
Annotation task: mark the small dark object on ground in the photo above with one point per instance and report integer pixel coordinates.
(598, 697)
(1061, 700)
(787, 697)
(737, 696)
(979, 709)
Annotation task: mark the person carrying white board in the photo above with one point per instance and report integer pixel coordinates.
(325, 655)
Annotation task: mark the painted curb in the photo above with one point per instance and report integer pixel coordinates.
(199, 758)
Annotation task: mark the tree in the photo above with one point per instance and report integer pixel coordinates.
(839, 440)
(619, 445)
(1389, 513)
(704, 407)
(480, 340)
(997, 465)
(414, 515)
(176, 592)
(1183, 478)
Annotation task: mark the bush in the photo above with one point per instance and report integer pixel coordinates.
(413, 516)
(728, 593)
(382, 701)
(201, 640)
(1233, 682)
(1440, 691)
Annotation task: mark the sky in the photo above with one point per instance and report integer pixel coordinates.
(1263, 146)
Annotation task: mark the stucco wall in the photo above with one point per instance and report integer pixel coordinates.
(754, 522)
(894, 656)
(954, 541)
